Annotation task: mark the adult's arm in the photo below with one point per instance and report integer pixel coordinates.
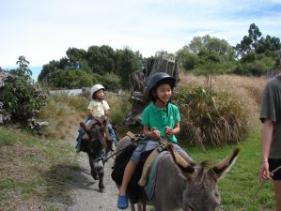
(266, 139)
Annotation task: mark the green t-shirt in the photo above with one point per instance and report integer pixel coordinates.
(159, 118)
(271, 109)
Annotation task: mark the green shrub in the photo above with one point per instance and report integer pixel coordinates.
(22, 98)
(210, 118)
(259, 66)
(72, 79)
(110, 80)
(214, 68)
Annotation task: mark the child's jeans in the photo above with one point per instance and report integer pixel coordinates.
(112, 133)
(81, 132)
(147, 144)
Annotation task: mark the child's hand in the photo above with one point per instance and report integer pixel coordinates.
(169, 131)
(155, 134)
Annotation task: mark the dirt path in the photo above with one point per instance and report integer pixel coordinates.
(86, 195)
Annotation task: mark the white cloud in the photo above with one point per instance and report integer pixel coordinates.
(45, 32)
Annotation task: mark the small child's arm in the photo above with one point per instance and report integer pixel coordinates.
(108, 113)
(173, 131)
(153, 134)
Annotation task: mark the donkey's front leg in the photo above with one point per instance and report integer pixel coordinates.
(101, 175)
(93, 171)
(142, 206)
(132, 206)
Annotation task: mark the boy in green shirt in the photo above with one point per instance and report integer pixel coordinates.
(160, 119)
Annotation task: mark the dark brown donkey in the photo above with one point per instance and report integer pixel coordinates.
(96, 145)
(190, 189)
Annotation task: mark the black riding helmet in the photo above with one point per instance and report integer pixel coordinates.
(157, 79)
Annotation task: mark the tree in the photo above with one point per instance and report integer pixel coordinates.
(197, 44)
(47, 72)
(76, 57)
(127, 62)
(207, 55)
(21, 97)
(101, 59)
(268, 44)
(254, 34)
(257, 54)
(249, 42)
(72, 79)
(211, 49)
(186, 59)
(23, 69)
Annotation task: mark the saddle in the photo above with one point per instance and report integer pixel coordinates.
(164, 146)
(135, 189)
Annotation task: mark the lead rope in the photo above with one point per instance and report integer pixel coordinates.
(254, 196)
(120, 150)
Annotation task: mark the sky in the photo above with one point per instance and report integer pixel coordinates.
(43, 30)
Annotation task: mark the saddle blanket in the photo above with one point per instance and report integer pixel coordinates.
(150, 186)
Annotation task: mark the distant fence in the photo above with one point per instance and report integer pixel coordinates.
(72, 92)
(76, 92)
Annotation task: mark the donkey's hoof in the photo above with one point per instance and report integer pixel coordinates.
(101, 188)
(94, 175)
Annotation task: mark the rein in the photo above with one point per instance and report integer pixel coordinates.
(113, 154)
(121, 150)
(254, 196)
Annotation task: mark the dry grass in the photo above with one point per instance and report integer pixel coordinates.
(63, 114)
(218, 109)
(120, 107)
(247, 89)
(34, 172)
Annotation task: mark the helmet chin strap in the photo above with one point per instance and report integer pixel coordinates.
(157, 98)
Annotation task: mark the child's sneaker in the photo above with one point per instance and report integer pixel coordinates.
(122, 202)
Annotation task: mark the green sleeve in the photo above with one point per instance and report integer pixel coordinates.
(145, 117)
(268, 106)
(177, 116)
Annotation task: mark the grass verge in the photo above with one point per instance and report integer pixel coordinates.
(238, 188)
(34, 173)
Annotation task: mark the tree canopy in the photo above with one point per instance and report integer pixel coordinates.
(81, 68)
(255, 54)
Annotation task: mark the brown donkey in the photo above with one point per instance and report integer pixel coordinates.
(190, 189)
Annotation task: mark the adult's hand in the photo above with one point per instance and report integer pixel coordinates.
(264, 171)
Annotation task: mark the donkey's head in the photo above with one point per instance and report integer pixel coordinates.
(202, 193)
(93, 138)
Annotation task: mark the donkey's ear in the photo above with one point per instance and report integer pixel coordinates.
(188, 169)
(225, 165)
